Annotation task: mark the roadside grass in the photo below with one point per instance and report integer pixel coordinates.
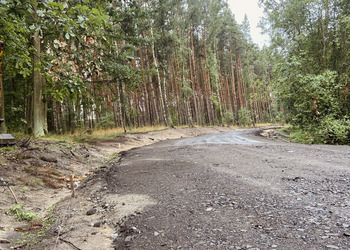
(114, 132)
(88, 135)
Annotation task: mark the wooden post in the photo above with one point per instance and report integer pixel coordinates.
(13, 194)
(72, 184)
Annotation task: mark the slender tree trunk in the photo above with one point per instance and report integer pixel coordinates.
(122, 107)
(38, 104)
(56, 116)
(228, 98)
(165, 98)
(192, 81)
(176, 90)
(239, 84)
(217, 84)
(145, 99)
(159, 82)
(234, 94)
(196, 87)
(206, 83)
(151, 91)
(2, 101)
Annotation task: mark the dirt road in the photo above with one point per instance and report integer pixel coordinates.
(231, 190)
(235, 190)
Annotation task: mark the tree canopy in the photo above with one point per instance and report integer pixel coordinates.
(83, 64)
(311, 46)
(129, 63)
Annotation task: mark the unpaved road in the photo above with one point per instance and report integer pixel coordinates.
(229, 190)
(235, 190)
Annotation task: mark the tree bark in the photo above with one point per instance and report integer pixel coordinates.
(159, 82)
(38, 104)
(2, 101)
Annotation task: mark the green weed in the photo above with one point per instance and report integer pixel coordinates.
(20, 215)
(31, 239)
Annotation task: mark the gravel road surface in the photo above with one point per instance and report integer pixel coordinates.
(235, 190)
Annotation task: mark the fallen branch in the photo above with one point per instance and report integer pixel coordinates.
(70, 243)
(25, 143)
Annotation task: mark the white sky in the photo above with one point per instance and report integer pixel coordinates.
(254, 13)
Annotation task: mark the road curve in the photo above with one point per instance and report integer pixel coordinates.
(231, 137)
(235, 190)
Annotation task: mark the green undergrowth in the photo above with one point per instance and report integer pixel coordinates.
(299, 135)
(20, 215)
(310, 136)
(31, 238)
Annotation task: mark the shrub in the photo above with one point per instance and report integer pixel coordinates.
(335, 131)
(245, 118)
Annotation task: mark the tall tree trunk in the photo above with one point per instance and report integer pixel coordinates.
(56, 113)
(38, 104)
(239, 84)
(2, 101)
(176, 90)
(196, 87)
(165, 98)
(217, 83)
(192, 85)
(206, 83)
(153, 102)
(234, 94)
(122, 106)
(159, 82)
(145, 99)
(228, 98)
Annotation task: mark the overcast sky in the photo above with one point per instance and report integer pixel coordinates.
(254, 13)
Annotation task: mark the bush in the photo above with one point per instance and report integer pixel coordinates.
(245, 118)
(228, 117)
(335, 131)
(106, 121)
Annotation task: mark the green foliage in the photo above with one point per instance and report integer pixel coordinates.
(228, 117)
(14, 119)
(81, 43)
(213, 70)
(245, 118)
(7, 149)
(302, 135)
(20, 215)
(32, 239)
(98, 58)
(310, 45)
(186, 89)
(106, 121)
(215, 101)
(313, 102)
(335, 131)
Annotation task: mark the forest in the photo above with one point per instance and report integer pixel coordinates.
(73, 65)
